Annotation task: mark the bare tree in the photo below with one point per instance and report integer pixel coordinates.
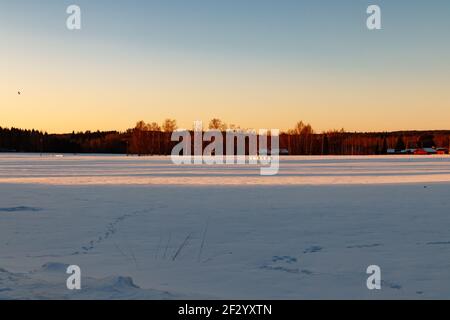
(234, 127)
(304, 136)
(303, 129)
(217, 124)
(169, 125)
(153, 127)
(141, 126)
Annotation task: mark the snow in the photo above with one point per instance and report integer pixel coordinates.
(142, 228)
(121, 170)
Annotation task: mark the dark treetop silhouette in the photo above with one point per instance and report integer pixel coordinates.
(152, 139)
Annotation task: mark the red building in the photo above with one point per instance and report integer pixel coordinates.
(425, 151)
(442, 151)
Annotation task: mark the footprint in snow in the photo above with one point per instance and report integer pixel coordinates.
(391, 285)
(364, 246)
(286, 259)
(313, 249)
(438, 243)
(285, 264)
(20, 209)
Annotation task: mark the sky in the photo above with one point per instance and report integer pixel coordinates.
(253, 63)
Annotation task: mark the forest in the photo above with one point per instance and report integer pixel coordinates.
(154, 139)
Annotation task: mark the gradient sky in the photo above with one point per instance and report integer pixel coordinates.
(256, 63)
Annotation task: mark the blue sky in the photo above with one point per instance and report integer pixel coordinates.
(310, 45)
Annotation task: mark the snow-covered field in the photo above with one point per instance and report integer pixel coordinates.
(143, 228)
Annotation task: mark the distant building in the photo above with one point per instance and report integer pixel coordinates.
(442, 151)
(397, 151)
(425, 151)
(281, 152)
(419, 151)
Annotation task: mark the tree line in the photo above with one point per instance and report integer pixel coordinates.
(154, 139)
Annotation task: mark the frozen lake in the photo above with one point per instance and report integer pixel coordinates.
(144, 228)
(122, 170)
